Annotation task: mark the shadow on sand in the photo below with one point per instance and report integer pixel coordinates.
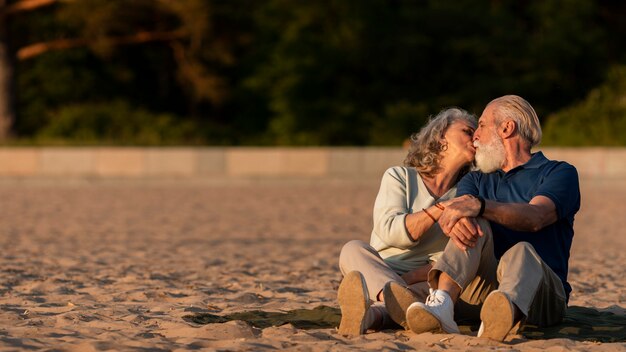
(580, 323)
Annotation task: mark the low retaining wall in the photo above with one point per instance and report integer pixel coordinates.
(250, 162)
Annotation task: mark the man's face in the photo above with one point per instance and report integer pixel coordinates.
(490, 154)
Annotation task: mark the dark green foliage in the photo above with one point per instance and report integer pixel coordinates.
(339, 71)
(281, 72)
(115, 123)
(56, 79)
(600, 119)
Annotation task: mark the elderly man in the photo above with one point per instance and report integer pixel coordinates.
(530, 203)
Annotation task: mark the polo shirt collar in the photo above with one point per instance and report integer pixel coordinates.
(536, 161)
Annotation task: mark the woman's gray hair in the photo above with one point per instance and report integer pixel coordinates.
(516, 108)
(425, 149)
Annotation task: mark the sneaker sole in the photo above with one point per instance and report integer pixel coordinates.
(497, 316)
(420, 321)
(397, 300)
(354, 302)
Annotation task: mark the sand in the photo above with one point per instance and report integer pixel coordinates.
(115, 266)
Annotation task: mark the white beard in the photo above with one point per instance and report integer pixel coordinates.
(490, 157)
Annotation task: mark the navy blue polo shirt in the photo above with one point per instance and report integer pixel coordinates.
(556, 180)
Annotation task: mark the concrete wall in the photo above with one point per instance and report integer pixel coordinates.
(249, 163)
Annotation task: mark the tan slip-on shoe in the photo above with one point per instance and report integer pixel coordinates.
(398, 298)
(497, 315)
(354, 303)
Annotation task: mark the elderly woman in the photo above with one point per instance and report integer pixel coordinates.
(406, 237)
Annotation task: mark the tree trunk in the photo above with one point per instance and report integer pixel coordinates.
(7, 112)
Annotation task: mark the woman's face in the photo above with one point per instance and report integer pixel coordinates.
(458, 138)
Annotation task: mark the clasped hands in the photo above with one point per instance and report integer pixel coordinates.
(458, 221)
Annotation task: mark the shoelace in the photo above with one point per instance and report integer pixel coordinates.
(434, 299)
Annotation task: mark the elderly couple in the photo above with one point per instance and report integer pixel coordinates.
(450, 244)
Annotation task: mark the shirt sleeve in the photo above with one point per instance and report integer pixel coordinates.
(561, 186)
(390, 210)
(468, 185)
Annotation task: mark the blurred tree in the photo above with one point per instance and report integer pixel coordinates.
(328, 72)
(334, 70)
(184, 25)
(337, 72)
(7, 112)
(7, 69)
(115, 122)
(600, 119)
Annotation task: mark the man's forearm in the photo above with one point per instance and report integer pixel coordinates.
(530, 217)
(519, 216)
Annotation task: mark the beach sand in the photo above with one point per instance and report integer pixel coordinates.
(116, 266)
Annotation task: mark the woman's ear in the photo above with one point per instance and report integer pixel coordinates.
(443, 144)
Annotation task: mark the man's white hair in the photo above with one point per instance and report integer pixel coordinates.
(516, 108)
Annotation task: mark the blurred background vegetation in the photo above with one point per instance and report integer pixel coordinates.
(285, 72)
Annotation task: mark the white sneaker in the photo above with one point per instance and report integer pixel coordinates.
(436, 316)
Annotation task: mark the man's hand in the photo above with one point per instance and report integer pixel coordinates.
(465, 233)
(461, 207)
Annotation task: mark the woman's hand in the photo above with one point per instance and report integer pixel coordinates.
(417, 275)
(465, 206)
(465, 233)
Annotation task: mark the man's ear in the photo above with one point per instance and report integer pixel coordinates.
(507, 129)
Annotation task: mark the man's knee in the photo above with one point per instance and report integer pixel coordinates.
(484, 226)
(522, 252)
(521, 248)
(486, 241)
